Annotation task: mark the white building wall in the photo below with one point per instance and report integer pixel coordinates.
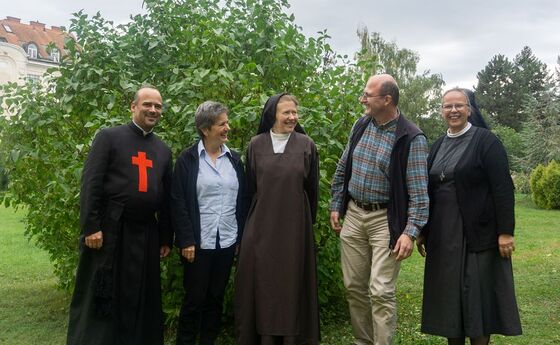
(16, 67)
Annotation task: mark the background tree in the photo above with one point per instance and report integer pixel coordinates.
(504, 87)
(556, 79)
(541, 135)
(531, 74)
(495, 90)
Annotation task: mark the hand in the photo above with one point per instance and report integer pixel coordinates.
(403, 248)
(188, 253)
(335, 222)
(421, 244)
(95, 240)
(236, 250)
(164, 251)
(506, 245)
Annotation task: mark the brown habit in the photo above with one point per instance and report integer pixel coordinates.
(276, 283)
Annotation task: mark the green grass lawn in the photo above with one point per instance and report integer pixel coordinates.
(33, 311)
(536, 265)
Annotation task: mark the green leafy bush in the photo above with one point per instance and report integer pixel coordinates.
(521, 182)
(545, 185)
(237, 52)
(513, 143)
(3, 178)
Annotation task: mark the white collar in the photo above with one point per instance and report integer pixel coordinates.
(201, 149)
(143, 131)
(461, 132)
(280, 136)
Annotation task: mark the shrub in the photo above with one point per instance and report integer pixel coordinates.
(3, 178)
(545, 185)
(513, 143)
(521, 182)
(237, 52)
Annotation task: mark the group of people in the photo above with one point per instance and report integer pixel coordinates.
(456, 202)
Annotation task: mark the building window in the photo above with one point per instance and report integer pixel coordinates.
(55, 55)
(7, 28)
(34, 78)
(32, 50)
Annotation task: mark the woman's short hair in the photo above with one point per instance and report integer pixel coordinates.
(206, 115)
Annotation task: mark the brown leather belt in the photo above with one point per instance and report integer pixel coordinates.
(371, 207)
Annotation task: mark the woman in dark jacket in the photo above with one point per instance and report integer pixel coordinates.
(208, 209)
(276, 284)
(468, 279)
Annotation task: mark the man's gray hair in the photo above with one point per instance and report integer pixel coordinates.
(206, 115)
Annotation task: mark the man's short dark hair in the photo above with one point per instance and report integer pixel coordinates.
(143, 86)
(392, 89)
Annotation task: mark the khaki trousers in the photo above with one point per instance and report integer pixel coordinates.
(370, 274)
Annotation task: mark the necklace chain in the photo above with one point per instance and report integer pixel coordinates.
(452, 152)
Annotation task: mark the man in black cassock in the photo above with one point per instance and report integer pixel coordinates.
(125, 229)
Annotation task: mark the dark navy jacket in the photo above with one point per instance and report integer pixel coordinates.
(184, 202)
(484, 190)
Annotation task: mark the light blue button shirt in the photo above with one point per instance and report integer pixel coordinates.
(216, 190)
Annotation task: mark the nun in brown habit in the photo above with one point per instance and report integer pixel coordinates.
(276, 283)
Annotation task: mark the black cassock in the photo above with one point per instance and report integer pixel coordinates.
(125, 194)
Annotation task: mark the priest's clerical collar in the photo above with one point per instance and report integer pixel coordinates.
(143, 131)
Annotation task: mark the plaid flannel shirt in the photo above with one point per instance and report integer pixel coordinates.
(369, 182)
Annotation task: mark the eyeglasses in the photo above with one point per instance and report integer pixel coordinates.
(365, 95)
(458, 106)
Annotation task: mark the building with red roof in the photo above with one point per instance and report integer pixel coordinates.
(28, 50)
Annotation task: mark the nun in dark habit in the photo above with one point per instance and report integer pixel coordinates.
(468, 241)
(276, 284)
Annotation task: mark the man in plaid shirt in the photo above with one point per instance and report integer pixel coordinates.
(380, 188)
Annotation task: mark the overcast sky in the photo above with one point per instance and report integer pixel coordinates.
(454, 38)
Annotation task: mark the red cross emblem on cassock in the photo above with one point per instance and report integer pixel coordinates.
(143, 164)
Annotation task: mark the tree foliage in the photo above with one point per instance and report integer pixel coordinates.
(556, 81)
(504, 87)
(513, 143)
(237, 52)
(495, 89)
(3, 178)
(531, 74)
(541, 135)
